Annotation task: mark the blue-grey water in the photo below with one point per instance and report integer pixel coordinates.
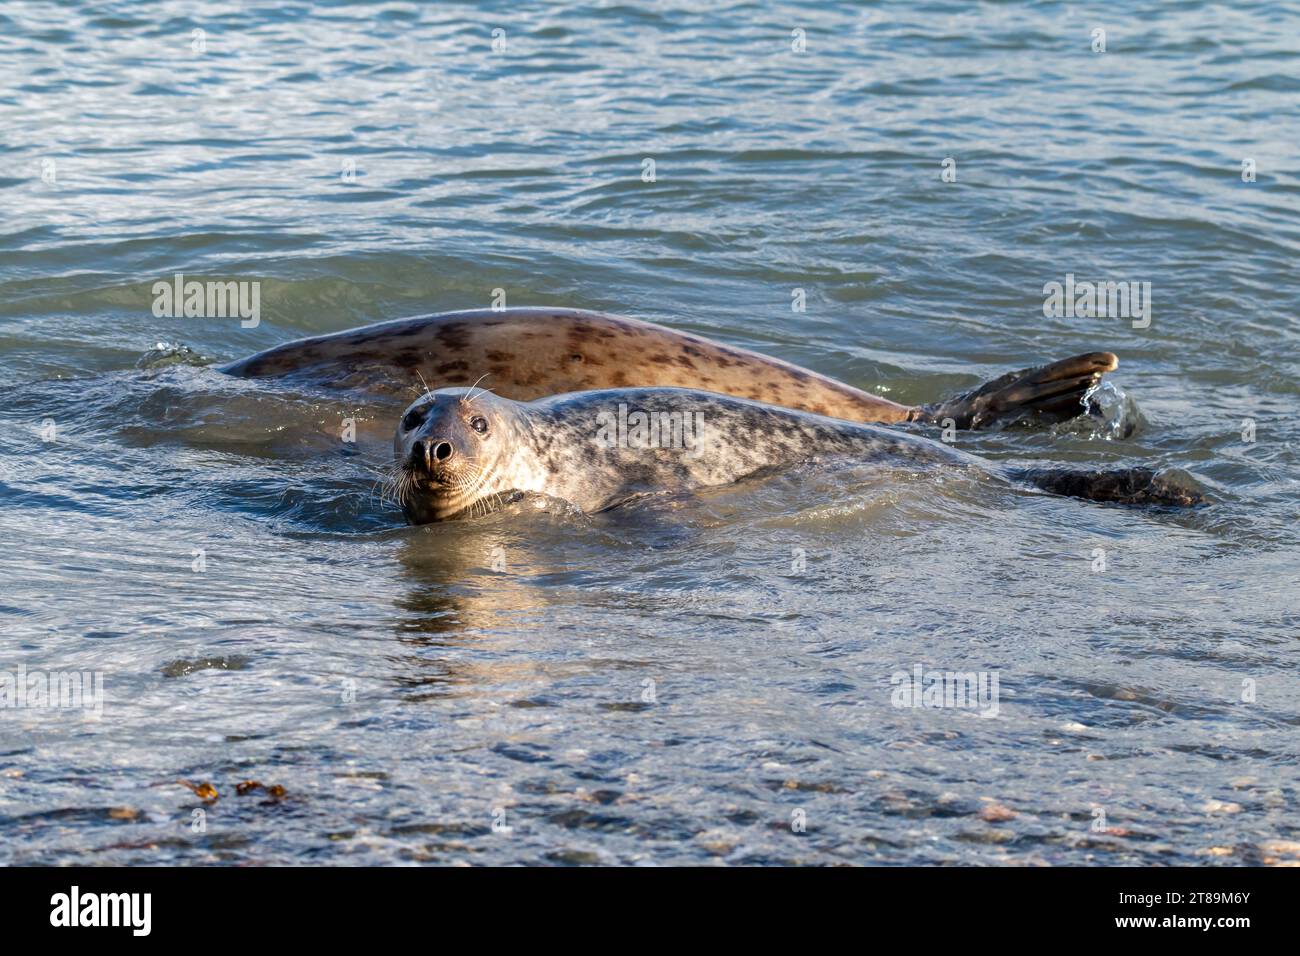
(710, 684)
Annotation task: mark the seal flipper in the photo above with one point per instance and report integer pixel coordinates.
(1048, 393)
(1127, 486)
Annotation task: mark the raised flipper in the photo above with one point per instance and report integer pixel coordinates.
(1049, 393)
(1126, 486)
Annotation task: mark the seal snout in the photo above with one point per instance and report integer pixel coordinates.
(430, 453)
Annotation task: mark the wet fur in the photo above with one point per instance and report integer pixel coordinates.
(524, 354)
(551, 446)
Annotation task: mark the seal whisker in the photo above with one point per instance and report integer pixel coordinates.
(482, 507)
(391, 489)
(423, 382)
(469, 396)
(380, 484)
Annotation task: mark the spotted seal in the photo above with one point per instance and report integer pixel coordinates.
(461, 451)
(528, 353)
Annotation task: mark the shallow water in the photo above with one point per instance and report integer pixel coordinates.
(670, 684)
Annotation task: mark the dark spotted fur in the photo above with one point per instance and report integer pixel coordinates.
(552, 446)
(529, 353)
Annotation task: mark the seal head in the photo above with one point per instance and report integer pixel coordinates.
(454, 448)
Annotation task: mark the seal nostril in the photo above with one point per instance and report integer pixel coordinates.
(442, 450)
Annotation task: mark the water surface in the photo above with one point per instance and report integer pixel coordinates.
(656, 685)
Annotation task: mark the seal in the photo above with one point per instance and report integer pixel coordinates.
(524, 354)
(461, 451)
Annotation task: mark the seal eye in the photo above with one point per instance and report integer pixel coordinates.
(412, 419)
(479, 424)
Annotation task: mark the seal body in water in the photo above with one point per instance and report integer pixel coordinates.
(525, 354)
(461, 451)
